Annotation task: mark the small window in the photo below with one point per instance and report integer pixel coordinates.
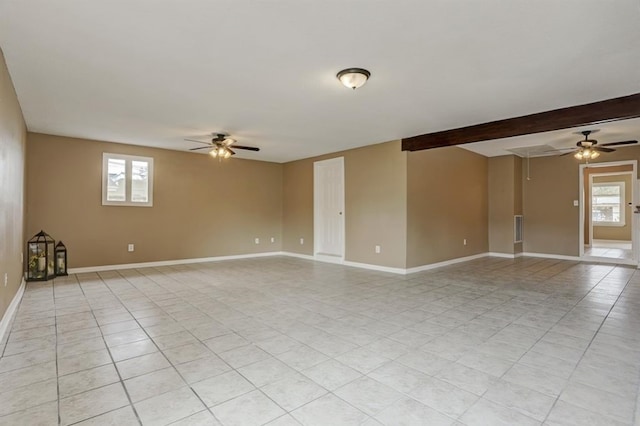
(127, 180)
(607, 204)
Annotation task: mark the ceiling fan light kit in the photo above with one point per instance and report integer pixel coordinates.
(586, 154)
(588, 149)
(353, 78)
(220, 146)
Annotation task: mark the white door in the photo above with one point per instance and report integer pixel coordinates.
(328, 207)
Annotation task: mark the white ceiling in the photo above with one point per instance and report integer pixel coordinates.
(544, 143)
(151, 72)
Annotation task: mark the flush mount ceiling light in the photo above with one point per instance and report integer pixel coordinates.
(353, 77)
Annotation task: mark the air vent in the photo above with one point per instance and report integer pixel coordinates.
(535, 151)
(517, 228)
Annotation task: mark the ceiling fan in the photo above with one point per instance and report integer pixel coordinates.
(588, 149)
(220, 146)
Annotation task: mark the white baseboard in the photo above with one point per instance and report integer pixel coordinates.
(610, 260)
(595, 241)
(445, 263)
(380, 268)
(400, 271)
(297, 255)
(11, 310)
(505, 255)
(339, 261)
(372, 267)
(170, 262)
(553, 256)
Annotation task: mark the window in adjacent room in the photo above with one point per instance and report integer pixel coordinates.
(127, 180)
(607, 204)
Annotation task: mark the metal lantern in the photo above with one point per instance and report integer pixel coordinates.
(40, 257)
(61, 259)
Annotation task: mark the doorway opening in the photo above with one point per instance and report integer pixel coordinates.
(608, 225)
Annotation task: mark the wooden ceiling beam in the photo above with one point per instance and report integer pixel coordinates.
(622, 108)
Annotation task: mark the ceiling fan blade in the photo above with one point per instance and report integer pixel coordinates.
(231, 151)
(619, 143)
(567, 153)
(201, 147)
(249, 148)
(193, 140)
(601, 149)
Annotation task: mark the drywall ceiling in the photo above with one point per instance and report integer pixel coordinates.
(151, 72)
(549, 143)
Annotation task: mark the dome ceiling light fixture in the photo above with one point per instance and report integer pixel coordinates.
(353, 78)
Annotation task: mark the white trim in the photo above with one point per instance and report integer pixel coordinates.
(11, 310)
(581, 204)
(298, 255)
(169, 262)
(128, 159)
(372, 267)
(329, 259)
(611, 260)
(445, 263)
(400, 271)
(597, 241)
(591, 259)
(553, 256)
(505, 255)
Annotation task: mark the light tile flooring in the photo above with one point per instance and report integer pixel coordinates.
(621, 250)
(283, 341)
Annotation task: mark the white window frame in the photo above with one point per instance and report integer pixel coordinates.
(623, 204)
(106, 156)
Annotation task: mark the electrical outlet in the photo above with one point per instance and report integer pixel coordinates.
(6, 279)
(377, 249)
(131, 247)
(273, 239)
(301, 241)
(257, 240)
(464, 242)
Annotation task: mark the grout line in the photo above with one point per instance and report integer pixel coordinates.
(135, 412)
(592, 338)
(197, 283)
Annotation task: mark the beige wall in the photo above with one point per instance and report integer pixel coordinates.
(375, 204)
(447, 201)
(297, 207)
(551, 220)
(502, 203)
(517, 198)
(202, 207)
(12, 188)
(622, 233)
(505, 201)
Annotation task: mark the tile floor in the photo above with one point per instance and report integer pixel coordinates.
(283, 341)
(621, 250)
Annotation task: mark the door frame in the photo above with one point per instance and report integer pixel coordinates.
(627, 219)
(316, 212)
(582, 202)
